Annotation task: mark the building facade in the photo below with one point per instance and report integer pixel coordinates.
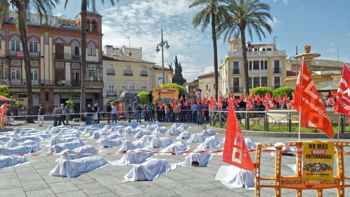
(206, 84)
(55, 53)
(266, 67)
(125, 72)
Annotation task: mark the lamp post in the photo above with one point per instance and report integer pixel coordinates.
(160, 47)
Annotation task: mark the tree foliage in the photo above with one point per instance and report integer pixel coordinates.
(178, 77)
(261, 91)
(4, 91)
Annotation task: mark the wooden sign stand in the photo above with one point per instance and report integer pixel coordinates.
(297, 182)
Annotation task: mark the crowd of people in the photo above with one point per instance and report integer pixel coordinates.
(194, 110)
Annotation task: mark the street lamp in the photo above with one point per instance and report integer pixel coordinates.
(160, 47)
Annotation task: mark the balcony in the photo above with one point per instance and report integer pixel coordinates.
(34, 54)
(62, 56)
(17, 54)
(111, 93)
(237, 89)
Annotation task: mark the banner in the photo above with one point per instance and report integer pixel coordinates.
(318, 160)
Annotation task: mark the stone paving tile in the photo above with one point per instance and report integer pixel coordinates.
(94, 189)
(126, 189)
(34, 185)
(40, 193)
(63, 187)
(72, 194)
(12, 193)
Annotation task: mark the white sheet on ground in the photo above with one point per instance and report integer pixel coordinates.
(7, 161)
(137, 156)
(74, 168)
(196, 159)
(210, 144)
(176, 148)
(148, 171)
(234, 177)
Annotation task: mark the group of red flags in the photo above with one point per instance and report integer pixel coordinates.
(306, 100)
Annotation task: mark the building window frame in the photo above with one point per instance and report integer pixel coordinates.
(276, 66)
(15, 45)
(236, 67)
(34, 46)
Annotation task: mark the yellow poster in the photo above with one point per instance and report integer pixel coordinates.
(318, 160)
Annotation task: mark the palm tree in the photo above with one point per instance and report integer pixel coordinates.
(212, 12)
(246, 16)
(22, 7)
(83, 26)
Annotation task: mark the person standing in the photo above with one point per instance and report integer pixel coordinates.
(114, 114)
(109, 112)
(130, 113)
(66, 112)
(139, 113)
(88, 116)
(41, 113)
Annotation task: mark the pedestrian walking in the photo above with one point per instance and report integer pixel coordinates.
(41, 113)
(114, 114)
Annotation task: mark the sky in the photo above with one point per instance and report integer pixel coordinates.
(324, 24)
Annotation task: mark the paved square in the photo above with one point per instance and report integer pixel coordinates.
(32, 179)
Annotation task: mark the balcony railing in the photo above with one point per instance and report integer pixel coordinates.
(111, 93)
(34, 54)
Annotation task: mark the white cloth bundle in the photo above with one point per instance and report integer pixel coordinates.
(148, 171)
(234, 177)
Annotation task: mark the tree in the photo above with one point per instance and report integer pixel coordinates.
(245, 16)
(22, 7)
(212, 12)
(83, 33)
(178, 77)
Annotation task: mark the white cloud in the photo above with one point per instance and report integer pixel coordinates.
(141, 22)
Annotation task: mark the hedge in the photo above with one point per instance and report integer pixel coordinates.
(180, 88)
(261, 91)
(282, 91)
(143, 97)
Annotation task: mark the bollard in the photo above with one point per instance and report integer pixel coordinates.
(266, 122)
(220, 120)
(342, 124)
(289, 122)
(247, 127)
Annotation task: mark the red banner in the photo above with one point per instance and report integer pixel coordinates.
(307, 101)
(235, 149)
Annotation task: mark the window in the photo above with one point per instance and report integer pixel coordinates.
(128, 71)
(256, 65)
(110, 72)
(33, 46)
(256, 82)
(265, 64)
(250, 65)
(277, 82)
(236, 85)
(15, 74)
(76, 51)
(144, 73)
(91, 50)
(264, 81)
(92, 72)
(60, 73)
(250, 82)
(276, 66)
(35, 74)
(110, 90)
(236, 68)
(15, 45)
(59, 51)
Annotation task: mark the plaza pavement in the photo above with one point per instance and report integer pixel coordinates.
(33, 180)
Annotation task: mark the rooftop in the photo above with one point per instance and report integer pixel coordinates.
(125, 60)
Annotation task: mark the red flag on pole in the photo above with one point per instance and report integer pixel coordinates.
(307, 101)
(235, 149)
(342, 104)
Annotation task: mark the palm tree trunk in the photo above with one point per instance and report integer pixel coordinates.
(215, 47)
(83, 33)
(245, 61)
(22, 19)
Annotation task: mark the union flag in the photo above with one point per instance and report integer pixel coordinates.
(235, 150)
(307, 101)
(342, 104)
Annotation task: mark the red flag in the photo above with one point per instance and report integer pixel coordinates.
(342, 104)
(308, 103)
(235, 149)
(212, 103)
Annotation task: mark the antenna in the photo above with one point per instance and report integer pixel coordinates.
(296, 50)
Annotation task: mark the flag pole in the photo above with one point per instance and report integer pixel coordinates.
(339, 125)
(299, 129)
